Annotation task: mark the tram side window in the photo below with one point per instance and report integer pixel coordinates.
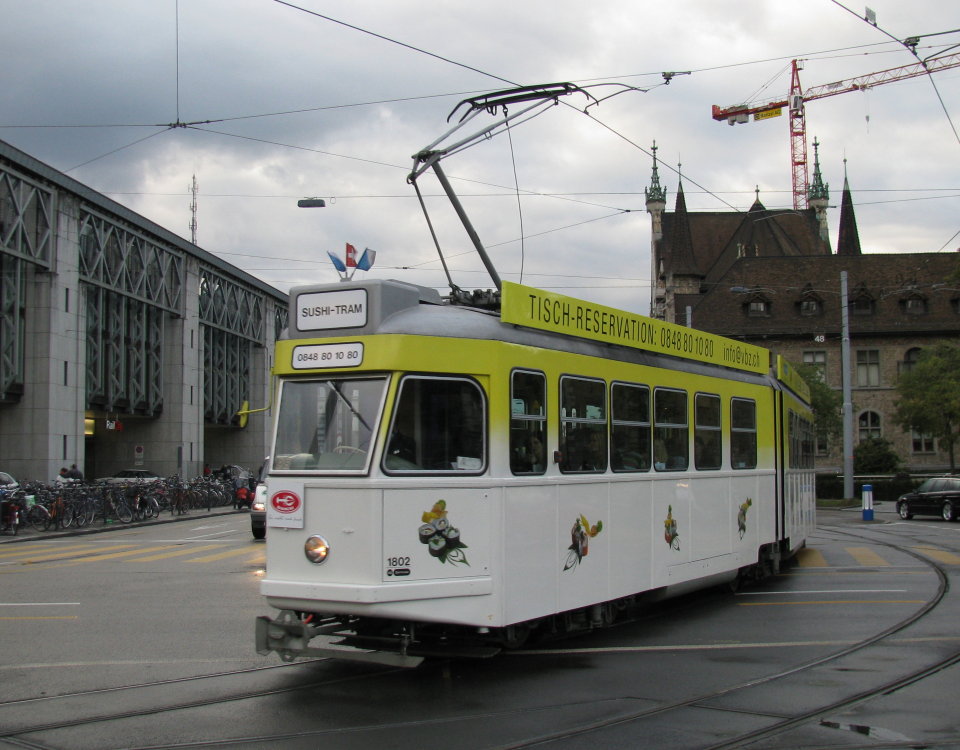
(438, 425)
(743, 433)
(528, 422)
(707, 436)
(801, 442)
(630, 427)
(671, 431)
(583, 425)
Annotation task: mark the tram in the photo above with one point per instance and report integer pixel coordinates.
(452, 479)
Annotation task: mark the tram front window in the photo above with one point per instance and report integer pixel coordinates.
(438, 426)
(327, 425)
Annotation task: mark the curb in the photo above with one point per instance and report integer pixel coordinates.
(100, 527)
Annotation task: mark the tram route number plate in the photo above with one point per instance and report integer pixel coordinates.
(322, 356)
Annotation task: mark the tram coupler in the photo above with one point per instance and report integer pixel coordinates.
(290, 637)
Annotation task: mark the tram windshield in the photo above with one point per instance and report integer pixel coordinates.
(327, 425)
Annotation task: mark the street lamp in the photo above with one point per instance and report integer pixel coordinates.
(311, 203)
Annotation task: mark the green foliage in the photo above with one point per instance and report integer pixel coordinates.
(875, 456)
(827, 403)
(929, 396)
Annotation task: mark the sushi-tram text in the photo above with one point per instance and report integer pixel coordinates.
(440, 474)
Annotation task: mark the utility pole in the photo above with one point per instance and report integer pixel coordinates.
(845, 381)
(193, 210)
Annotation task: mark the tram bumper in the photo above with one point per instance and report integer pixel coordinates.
(290, 637)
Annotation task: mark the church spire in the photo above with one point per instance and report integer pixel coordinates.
(848, 239)
(682, 262)
(819, 190)
(818, 196)
(655, 193)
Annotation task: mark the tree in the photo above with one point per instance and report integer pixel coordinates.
(875, 455)
(929, 397)
(827, 404)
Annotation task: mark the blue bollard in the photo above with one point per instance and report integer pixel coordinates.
(868, 502)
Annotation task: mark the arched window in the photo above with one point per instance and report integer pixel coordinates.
(869, 424)
(910, 359)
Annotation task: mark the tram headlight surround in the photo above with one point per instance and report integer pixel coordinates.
(316, 549)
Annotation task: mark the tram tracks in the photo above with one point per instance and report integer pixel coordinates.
(787, 723)
(221, 688)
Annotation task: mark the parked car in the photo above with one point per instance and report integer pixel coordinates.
(258, 512)
(129, 476)
(937, 496)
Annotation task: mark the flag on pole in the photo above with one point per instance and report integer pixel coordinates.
(351, 256)
(337, 263)
(366, 260)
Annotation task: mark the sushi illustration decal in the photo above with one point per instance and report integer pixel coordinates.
(442, 539)
(670, 533)
(581, 534)
(742, 516)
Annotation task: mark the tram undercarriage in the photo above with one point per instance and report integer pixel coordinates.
(408, 643)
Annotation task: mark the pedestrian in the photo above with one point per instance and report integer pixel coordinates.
(75, 473)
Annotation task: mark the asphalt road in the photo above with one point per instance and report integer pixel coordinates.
(143, 637)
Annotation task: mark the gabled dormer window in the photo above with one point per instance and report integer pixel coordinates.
(810, 307)
(862, 302)
(913, 305)
(758, 307)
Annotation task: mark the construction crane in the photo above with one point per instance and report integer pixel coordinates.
(798, 97)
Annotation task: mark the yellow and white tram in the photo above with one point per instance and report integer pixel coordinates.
(446, 478)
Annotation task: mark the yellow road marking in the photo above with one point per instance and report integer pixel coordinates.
(938, 554)
(33, 549)
(176, 553)
(811, 558)
(220, 555)
(111, 556)
(866, 556)
(77, 554)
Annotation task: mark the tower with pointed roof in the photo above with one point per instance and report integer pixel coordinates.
(848, 237)
(656, 203)
(818, 196)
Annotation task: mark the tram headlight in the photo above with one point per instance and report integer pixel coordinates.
(316, 549)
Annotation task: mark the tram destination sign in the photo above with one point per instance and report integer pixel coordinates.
(535, 308)
(317, 311)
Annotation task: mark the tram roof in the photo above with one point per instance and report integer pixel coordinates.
(393, 307)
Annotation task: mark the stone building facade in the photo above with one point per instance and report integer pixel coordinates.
(770, 277)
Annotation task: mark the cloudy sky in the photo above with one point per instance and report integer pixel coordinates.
(266, 102)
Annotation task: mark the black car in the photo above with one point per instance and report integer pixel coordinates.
(258, 512)
(937, 496)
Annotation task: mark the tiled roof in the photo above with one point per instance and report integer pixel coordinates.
(884, 283)
(719, 239)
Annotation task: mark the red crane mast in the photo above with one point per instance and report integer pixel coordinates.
(798, 97)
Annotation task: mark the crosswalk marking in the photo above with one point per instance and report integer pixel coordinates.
(939, 555)
(112, 555)
(175, 553)
(220, 555)
(811, 558)
(27, 550)
(866, 556)
(39, 558)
